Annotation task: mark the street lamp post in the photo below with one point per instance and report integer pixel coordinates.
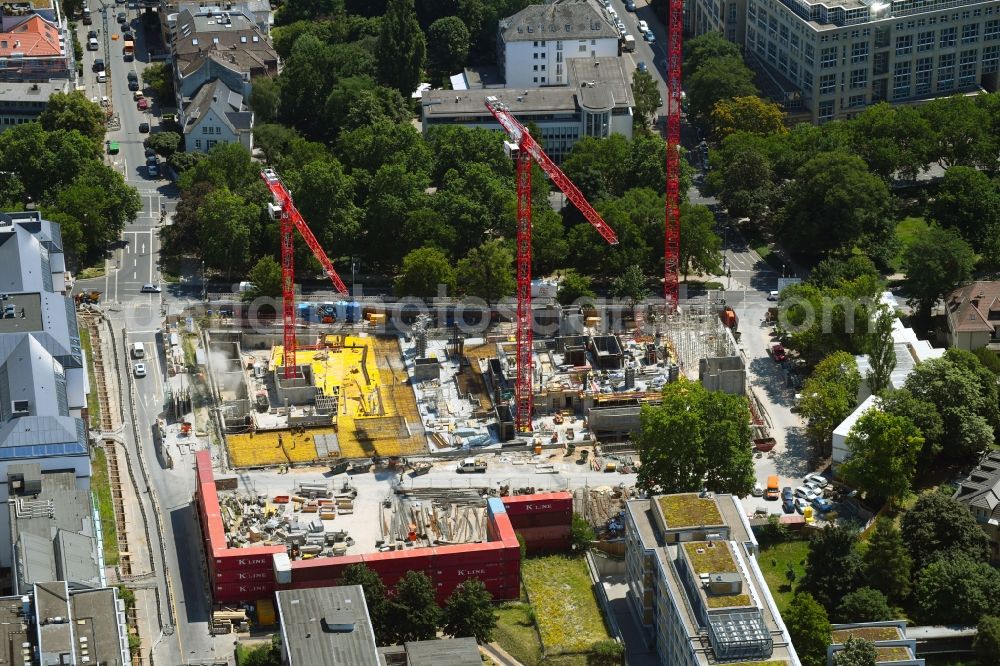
(204, 283)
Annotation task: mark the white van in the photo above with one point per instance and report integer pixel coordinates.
(138, 351)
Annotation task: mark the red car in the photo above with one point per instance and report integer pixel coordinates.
(778, 353)
(142, 104)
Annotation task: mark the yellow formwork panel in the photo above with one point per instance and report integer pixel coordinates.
(374, 397)
(274, 447)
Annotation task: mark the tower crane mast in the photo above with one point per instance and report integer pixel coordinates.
(672, 231)
(525, 150)
(292, 220)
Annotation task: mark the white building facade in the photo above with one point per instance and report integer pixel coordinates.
(833, 59)
(534, 44)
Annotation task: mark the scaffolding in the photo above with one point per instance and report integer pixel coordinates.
(693, 333)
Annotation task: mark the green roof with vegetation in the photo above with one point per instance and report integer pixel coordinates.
(715, 559)
(895, 653)
(868, 633)
(689, 510)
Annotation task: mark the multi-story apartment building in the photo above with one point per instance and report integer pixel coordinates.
(597, 102)
(832, 58)
(532, 45)
(33, 42)
(43, 371)
(695, 585)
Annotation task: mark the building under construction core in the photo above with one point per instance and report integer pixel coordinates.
(348, 399)
(588, 386)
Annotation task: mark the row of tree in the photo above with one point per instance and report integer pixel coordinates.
(56, 164)
(933, 567)
(448, 197)
(410, 611)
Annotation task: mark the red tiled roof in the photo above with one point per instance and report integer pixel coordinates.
(968, 307)
(35, 37)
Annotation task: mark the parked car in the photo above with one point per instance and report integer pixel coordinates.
(133, 85)
(778, 353)
(98, 65)
(149, 288)
(822, 504)
(128, 36)
(788, 505)
(153, 170)
(801, 504)
(772, 295)
(630, 5)
(649, 36)
(818, 480)
(786, 493)
(643, 27)
(139, 369)
(758, 490)
(122, 18)
(92, 44)
(143, 128)
(91, 34)
(150, 153)
(641, 66)
(807, 493)
(142, 104)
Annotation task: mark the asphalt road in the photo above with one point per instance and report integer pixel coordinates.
(654, 55)
(184, 638)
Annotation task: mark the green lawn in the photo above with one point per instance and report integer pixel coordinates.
(101, 485)
(774, 562)
(906, 230)
(93, 404)
(516, 633)
(91, 272)
(569, 619)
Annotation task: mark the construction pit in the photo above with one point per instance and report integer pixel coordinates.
(349, 398)
(360, 395)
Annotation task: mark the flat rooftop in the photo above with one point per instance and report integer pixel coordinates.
(327, 625)
(16, 644)
(21, 313)
(715, 557)
(689, 510)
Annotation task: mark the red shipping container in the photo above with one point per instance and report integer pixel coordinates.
(538, 503)
(468, 554)
(244, 576)
(541, 520)
(323, 564)
(240, 591)
(486, 570)
(400, 560)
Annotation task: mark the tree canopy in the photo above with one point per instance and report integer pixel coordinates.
(935, 262)
(423, 270)
(833, 565)
(941, 528)
(964, 393)
(883, 455)
(751, 114)
(73, 111)
(887, 564)
(469, 612)
(401, 47)
(856, 652)
(809, 627)
(829, 395)
(695, 439)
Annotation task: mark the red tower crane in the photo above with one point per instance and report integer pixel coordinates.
(525, 150)
(291, 220)
(672, 234)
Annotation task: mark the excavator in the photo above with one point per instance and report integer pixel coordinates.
(87, 297)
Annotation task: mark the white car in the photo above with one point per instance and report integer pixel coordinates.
(817, 480)
(643, 27)
(139, 369)
(772, 296)
(801, 504)
(758, 490)
(807, 493)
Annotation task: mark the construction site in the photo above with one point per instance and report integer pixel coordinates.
(358, 394)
